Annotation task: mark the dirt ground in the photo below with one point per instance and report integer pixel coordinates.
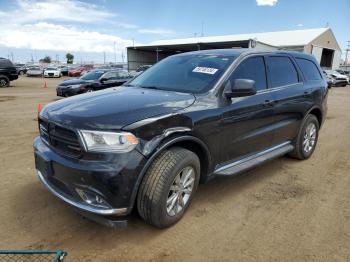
(286, 210)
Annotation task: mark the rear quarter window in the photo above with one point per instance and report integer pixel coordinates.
(282, 71)
(5, 63)
(309, 69)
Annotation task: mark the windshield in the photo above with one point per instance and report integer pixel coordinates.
(34, 68)
(51, 68)
(93, 75)
(185, 73)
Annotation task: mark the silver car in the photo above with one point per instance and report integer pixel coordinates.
(35, 71)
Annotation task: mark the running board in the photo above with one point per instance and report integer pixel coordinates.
(254, 160)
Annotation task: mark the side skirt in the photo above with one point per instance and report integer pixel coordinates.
(251, 161)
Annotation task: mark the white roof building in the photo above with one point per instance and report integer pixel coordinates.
(320, 42)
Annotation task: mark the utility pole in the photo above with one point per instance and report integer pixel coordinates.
(115, 53)
(346, 55)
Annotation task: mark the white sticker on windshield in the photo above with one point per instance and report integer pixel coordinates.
(205, 70)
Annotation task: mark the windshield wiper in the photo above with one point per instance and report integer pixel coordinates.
(151, 87)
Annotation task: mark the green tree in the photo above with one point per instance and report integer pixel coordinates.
(46, 59)
(70, 58)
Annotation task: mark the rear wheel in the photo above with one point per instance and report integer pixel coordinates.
(168, 187)
(305, 142)
(4, 82)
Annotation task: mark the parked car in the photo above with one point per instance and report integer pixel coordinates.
(8, 72)
(338, 79)
(64, 70)
(92, 81)
(21, 69)
(342, 72)
(141, 69)
(77, 71)
(52, 72)
(35, 71)
(187, 119)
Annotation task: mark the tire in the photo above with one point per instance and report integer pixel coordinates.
(21, 73)
(158, 187)
(301, 151)
(4, 82)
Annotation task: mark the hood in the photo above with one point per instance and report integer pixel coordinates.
(114, 108)
(70, 82)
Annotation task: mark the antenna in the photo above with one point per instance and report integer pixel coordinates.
(202, 32)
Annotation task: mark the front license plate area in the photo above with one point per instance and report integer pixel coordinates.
(45, 166)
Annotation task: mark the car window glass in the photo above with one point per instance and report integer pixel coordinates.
(282, 71)
(309, 69)
(252, 68)
(110, 75)
(123, 74)
(192, 73)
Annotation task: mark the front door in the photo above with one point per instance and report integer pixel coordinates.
(247, 122)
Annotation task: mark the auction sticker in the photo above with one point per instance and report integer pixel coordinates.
(205, 70)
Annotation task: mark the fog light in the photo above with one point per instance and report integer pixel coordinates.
(92, 198)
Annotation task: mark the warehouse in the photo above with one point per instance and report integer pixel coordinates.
(320, 42)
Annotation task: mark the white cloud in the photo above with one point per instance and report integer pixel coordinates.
(266, 2)
(63, 10)
(47, 36)
(157, 31)
(300, 25)
(38, 25)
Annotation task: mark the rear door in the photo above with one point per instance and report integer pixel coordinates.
(114, 78)
(291, 98)
(247, 121)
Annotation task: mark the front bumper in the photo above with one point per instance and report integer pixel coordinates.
(67, 91)
(97, 187)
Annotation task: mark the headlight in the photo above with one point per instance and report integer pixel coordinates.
(99, 141)
(75, 86)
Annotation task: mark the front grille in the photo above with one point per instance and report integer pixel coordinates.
(51, 74)
(63, 140)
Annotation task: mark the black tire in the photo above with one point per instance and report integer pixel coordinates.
(299, 151)
(154, 190)
(4, 81)
(21, 73)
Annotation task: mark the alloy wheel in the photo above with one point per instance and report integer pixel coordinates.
(3, 82)
(180, 191)
(309, 138)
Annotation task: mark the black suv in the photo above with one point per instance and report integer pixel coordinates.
(92, 81)
(187, 119)
(8, 72)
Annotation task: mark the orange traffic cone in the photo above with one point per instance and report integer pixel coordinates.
(45, 84)
(40, 107)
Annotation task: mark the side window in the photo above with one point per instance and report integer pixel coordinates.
(309, 69)
(123, 74)
(282, 71)
(110, 75)
(252, 68)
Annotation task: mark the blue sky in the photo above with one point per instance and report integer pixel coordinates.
(89, 28)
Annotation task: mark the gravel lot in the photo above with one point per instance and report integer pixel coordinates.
(286, 210)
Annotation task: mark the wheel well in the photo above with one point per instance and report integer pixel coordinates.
(317, 112)
(200, 152)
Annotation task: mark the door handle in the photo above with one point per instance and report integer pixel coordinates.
(307, 92)
(268, 103)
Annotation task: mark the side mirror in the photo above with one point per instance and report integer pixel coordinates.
(103, 79)
(240, 87)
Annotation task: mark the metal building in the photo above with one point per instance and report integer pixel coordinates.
(320, 42)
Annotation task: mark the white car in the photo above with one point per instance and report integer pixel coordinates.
(52, 72)
(338, 75)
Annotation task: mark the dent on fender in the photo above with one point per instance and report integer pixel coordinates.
(152, 144)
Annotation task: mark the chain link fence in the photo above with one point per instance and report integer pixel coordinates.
(32, 255)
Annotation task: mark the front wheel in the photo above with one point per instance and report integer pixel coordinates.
(305, 142)
(168, 187)
(4, 82)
